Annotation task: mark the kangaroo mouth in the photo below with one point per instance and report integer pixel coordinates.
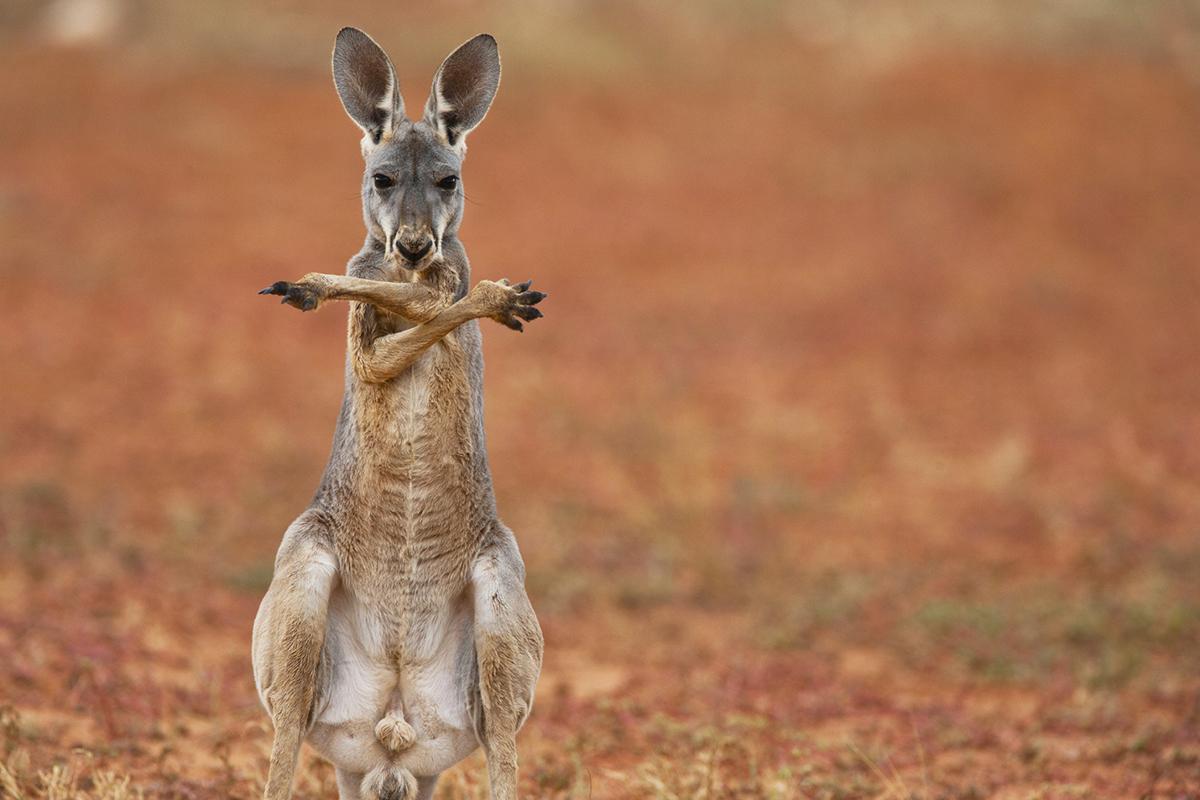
(414, 257)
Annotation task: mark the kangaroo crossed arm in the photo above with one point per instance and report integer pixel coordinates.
(412, 301)
(384, 358)
(388, 356)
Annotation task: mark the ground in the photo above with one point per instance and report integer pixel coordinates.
(857, 455)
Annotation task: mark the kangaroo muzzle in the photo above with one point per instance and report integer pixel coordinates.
(413, 248)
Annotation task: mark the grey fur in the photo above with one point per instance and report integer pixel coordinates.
(396, 635)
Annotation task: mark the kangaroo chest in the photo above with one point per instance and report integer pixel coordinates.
(417, 515)
(421, 434)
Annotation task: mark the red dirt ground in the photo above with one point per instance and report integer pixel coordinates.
(857, 455)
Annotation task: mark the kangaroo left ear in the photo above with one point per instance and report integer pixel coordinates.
(463, 89)
(366, 83)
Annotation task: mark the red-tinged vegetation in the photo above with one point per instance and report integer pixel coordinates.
(857, 454)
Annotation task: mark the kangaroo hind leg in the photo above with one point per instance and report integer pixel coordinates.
(508, 646)
(289, 635)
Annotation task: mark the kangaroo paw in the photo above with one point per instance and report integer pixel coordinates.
(297, 295)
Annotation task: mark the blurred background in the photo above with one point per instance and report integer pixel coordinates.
(858, 454)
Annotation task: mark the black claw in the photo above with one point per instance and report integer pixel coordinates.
(527, 313)
(531, 298)
(278, 287)
(523, 287)
(512, 322)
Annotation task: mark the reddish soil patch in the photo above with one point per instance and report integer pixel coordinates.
(857, 454)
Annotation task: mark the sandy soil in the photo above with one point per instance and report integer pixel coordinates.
(857, 455)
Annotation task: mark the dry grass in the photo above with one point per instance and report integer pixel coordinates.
(856, 456)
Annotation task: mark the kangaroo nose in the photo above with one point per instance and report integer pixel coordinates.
(414, 249)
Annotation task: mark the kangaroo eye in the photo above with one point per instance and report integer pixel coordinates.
(449, 182)
(383, 181)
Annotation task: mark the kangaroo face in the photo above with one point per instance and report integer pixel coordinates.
(412, 194)
(412, 190)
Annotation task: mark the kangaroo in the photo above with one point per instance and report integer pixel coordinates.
(396, 636)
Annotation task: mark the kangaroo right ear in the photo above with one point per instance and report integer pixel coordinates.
(463, 89)
(366, 83)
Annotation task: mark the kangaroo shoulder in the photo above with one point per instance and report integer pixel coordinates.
(367, 263)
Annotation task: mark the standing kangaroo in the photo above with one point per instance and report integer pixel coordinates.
(396, 635)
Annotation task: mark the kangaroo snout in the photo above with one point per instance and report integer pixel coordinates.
(413, 246)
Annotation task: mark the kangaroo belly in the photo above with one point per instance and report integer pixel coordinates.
(429, 680)
(400, 634)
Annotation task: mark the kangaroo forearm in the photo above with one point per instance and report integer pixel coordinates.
(411, 301)
(390, 355)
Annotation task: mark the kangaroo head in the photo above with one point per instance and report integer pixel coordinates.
(412, 187)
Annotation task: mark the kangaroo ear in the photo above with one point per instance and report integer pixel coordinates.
(463, 89)
(366, 83)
